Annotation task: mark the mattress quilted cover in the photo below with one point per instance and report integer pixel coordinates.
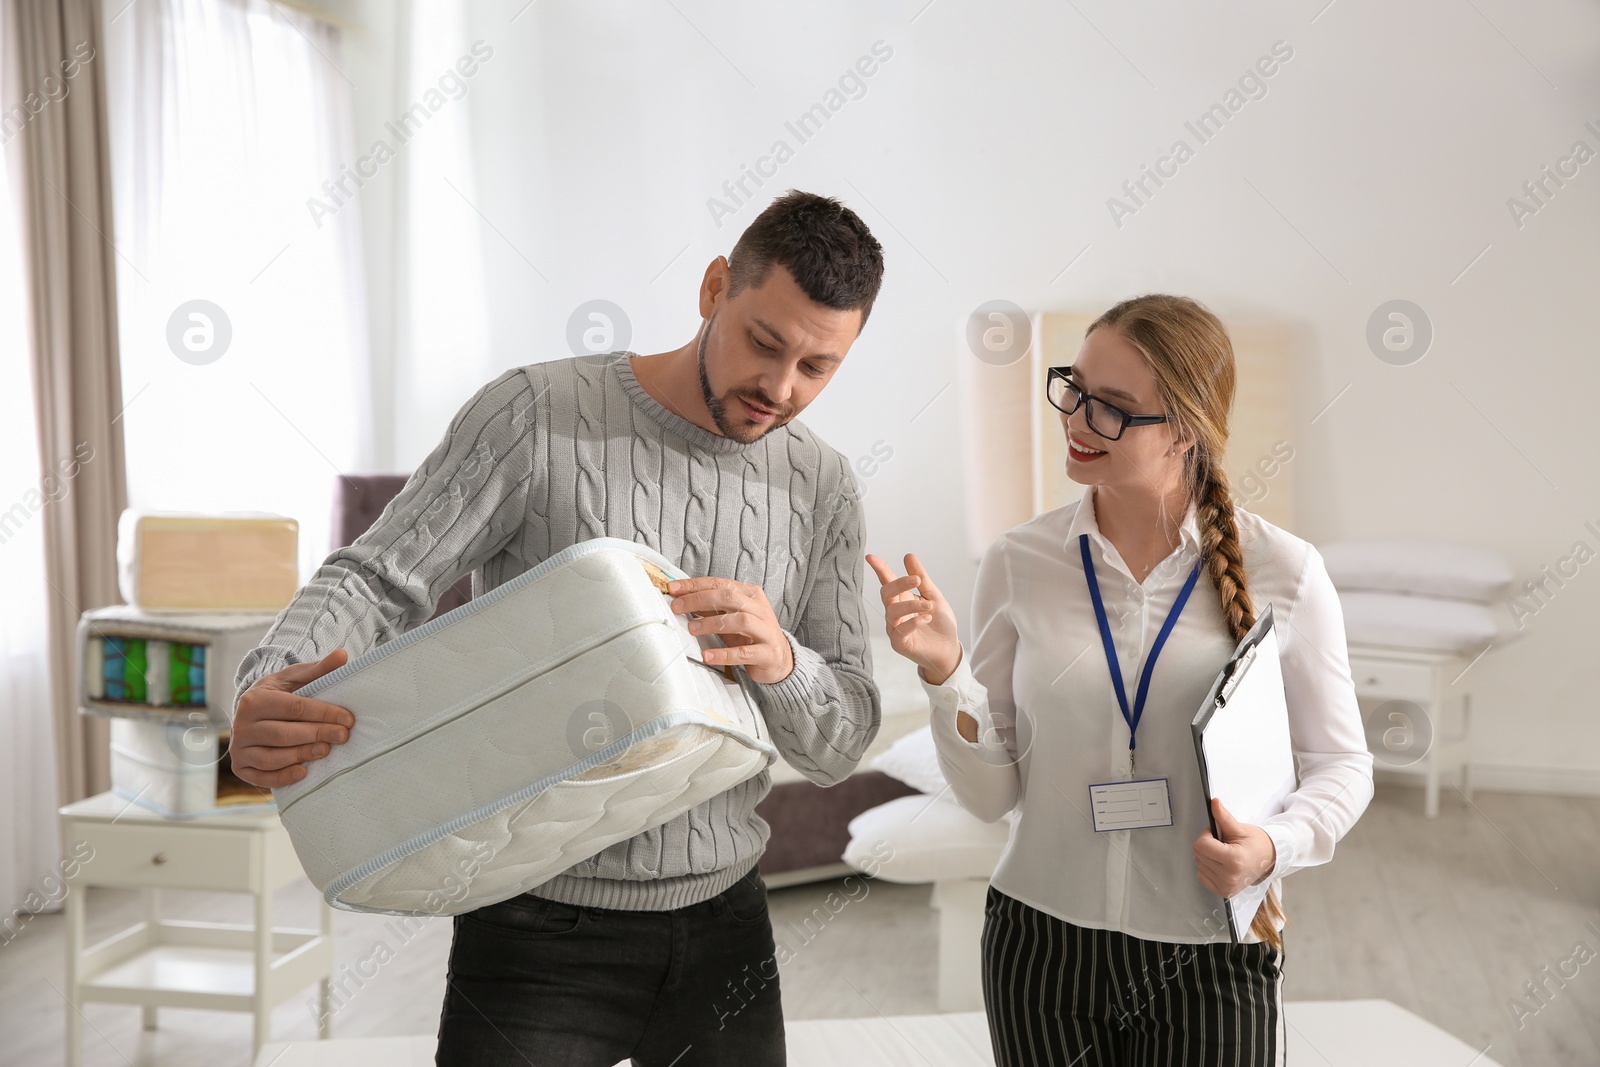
(525, 731)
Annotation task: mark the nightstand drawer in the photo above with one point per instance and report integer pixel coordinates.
(1387, 680)
(169, 855)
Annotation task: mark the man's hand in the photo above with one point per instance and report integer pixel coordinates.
(275, 731)
(1244, 856)
(740, 614)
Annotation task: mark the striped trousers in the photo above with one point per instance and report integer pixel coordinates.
(1058, 993)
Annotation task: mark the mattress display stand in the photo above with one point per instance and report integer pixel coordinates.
(160, 963)
(1430, 681)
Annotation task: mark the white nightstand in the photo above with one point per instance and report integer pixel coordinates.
(1426, 679)
(168, 963)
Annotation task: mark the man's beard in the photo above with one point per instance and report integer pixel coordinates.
(744, 434)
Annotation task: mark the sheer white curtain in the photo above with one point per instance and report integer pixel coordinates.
(28, 840)
(230, 137)
(442, 336)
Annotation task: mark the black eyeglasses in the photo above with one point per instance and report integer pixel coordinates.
(1105, 418)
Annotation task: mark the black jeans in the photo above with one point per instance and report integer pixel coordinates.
(536, 982)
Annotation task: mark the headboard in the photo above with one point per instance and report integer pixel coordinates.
(358, 500)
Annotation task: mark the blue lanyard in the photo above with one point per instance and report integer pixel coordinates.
(1111, 649)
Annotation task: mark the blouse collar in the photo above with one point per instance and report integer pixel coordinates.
(1083, 522)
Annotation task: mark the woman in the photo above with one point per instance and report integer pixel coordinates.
(1111, 947)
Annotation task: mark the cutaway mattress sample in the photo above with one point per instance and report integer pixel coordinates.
(142, 670)
(499, 744)
(163, 667)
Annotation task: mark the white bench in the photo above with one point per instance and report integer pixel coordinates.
(1329, 1033)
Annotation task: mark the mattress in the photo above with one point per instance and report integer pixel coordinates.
(179, 770)
(173, 561)
(174, 668)
(1419, 567)
(500, 743)
(1423, 623)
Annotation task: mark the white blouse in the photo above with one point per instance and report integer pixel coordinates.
(1038, 666)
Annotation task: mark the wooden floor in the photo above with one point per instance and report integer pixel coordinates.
(1451, 919)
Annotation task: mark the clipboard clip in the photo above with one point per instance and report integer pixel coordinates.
(1241, 665)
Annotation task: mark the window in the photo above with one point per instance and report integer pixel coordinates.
(241, 310)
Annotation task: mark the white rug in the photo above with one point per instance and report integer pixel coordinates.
(1324, 1033)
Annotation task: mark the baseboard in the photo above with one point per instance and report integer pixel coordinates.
(1507, 778)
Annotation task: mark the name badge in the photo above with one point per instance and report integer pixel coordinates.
(1131, 805)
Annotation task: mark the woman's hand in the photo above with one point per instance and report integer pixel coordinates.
(1244, 856)
(920, 621)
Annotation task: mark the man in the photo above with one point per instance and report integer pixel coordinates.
(660, 947)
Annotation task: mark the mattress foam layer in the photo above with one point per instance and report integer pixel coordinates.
(500, 744)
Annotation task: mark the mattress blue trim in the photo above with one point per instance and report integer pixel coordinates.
(493, 596)
(474, 701)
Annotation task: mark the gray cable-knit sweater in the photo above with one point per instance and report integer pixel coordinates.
(555, 453)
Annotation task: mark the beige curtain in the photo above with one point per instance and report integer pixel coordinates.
(65, 192)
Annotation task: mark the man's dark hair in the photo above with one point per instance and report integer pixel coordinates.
(824, 245)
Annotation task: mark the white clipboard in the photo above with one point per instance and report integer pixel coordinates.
(1241, 738)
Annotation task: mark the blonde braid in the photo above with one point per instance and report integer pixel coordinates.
(1188, 349)
(1219, 546)
(1224, 563)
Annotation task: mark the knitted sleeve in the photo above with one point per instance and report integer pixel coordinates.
(827, 711)
(461, 506)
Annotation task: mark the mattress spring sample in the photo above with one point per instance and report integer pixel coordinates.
(140, 670)
(169, 668)
(527, 730)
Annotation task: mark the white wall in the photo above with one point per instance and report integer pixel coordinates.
(1377, 165)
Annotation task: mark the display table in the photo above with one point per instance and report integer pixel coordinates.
(176, 964)
(1429, 681)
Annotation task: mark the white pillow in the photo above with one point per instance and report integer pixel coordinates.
(913, 760)
(1421, 622)
(925, 839)
(1419, 567)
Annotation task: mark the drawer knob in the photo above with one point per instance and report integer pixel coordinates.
(159, 858)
